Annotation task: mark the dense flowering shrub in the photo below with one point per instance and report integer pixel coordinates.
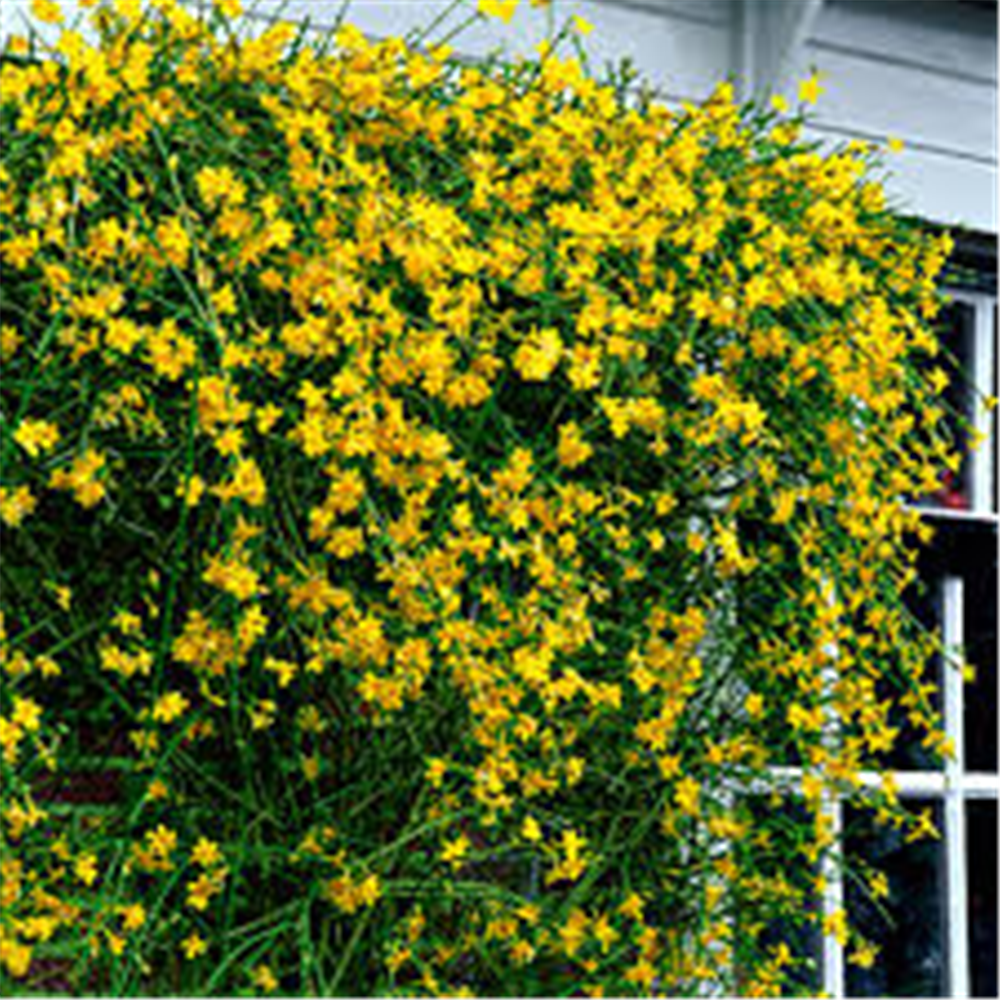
(437, 498)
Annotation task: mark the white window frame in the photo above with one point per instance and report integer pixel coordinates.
(951, 786)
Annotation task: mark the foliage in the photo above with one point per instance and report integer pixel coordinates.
(437, 497)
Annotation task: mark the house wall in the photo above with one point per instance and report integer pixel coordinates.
(924, 71)
(682, 47)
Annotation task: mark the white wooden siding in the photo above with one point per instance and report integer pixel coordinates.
(682, 47)
(942, 36)
(681, 50)
(922, 70)
(925, 72)
(930, 109)
(15, 16)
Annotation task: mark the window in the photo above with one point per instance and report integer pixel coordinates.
(936, 932)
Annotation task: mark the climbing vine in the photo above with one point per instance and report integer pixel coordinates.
(458, 519)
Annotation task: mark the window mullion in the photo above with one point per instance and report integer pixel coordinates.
(956, 870)
(833, 902)
(831, 865)
(983, 374)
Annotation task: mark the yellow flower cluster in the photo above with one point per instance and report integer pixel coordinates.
(472, 480)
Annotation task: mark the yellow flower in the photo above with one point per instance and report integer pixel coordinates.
(63, 594)
(864, 955)
(193, 946)
(234, 577)
(574, 932)
(502, 9)
(206, 853)
(923, 826)
(217, 184)
(26, 714)
(174, 240)
(133, 916)
(191, 492)
(201, 890)
(229, 8)
(157, 790)
(686, 795)
(537, 358)
(436, 770)
(247, 484)
(36, 436)
(370, 890)
(878, 883)
(170, 706)
(530, 830)
(643, 974)
(285, 670)
(10, 340)
(263, 978)
(162, 841)
(619, 414)
(810, 89)
(582, 25)
(573, 450)
(835, 926)
(85, 869)
(455, 851)
(605, 934)
(131, 10)
(17, 45)
(267, 416)
(224, 301)
(574, 861)
(15, 956)
(47, 11)
(633, 907)
(696, 543)
(81, 478)
(262, 714)
(15, 505)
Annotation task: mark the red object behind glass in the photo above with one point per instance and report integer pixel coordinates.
(951, 494)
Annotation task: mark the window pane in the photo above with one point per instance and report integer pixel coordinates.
(763, 922)
(908, 926)
(981, 652)
(909, 753)
(956, 329)
(981, 830)
(994, 441)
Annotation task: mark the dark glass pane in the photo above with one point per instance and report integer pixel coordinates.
(981, 652)
(956, 331)
(923, 598)
(908, 927)
(783, 875)
(981, 830)
(994, 436)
